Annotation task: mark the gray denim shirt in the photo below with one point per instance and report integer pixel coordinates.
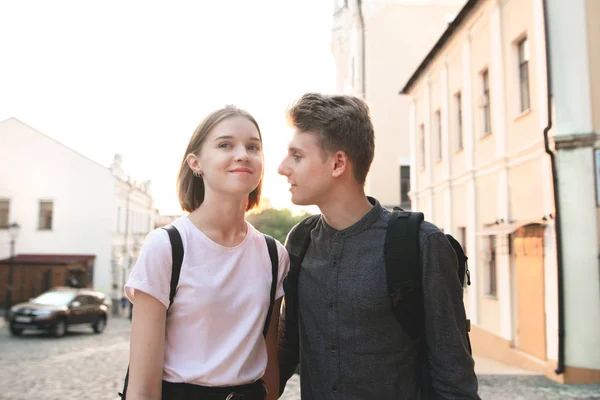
(351, 345)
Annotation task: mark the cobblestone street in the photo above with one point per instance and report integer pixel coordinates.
(83, 365)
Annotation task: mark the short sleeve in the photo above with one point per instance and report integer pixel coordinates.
(152, 271)
(283, 269)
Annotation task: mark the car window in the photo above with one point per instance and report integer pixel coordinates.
(81, 299)
(54, 298)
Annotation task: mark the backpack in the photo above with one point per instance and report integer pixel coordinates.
(401, 247)
(177, 260)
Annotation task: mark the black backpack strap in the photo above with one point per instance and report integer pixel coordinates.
(177, 261)
(461, 257)
(403, 270)
(176, 257)
(299, 239)
(274, 256)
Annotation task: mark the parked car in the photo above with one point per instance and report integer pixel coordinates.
(58, 309)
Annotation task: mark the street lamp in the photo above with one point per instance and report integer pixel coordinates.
(13, 233)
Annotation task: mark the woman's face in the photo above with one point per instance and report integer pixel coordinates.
(231, 158)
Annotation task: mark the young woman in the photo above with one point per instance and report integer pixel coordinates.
(208, 343)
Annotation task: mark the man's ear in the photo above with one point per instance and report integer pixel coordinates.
(194, 163)
(340, 163)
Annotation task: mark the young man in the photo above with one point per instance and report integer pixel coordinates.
(350, 344)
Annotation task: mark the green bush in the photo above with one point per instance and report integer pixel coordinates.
(276, 223)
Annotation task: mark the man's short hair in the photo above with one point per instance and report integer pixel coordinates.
(341, 122)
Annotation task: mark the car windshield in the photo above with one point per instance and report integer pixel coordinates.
(54, 298)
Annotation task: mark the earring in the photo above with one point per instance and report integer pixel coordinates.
(197, 174)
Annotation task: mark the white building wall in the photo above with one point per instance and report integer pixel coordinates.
(34, 167)
(89, 200)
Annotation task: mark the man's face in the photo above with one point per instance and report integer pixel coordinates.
(308, 169)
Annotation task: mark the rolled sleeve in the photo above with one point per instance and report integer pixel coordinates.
(152, 271)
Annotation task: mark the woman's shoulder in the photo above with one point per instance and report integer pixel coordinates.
(259, 237)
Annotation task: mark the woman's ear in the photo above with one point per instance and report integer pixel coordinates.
(194, 163)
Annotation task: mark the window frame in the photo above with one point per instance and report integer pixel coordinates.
(523, 55)
(486, 108)
(43, 227)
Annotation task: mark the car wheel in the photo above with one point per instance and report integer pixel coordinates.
(15, 331)
(60, 328)
(99, 325)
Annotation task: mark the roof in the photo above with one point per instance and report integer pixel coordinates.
(453, 27)
(50, 259)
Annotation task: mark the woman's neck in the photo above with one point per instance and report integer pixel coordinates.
(223, 221)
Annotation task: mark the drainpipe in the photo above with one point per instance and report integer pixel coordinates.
(560, 368)
(362, 50)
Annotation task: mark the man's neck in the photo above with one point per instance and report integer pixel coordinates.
(345, 209)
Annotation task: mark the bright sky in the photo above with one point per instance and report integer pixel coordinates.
(137, 77)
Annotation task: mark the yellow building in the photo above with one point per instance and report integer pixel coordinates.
(480, 170)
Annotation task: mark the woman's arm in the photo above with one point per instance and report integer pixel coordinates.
(147, 348)
(271, 377)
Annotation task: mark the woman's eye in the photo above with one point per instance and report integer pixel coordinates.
(253, 147)
(224, 145)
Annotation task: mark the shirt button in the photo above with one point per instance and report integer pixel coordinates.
(334, 388)
(333, 348)
(332, 305)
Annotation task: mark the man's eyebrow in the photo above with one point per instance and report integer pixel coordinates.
(292, 149)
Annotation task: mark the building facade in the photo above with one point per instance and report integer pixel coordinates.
(481, 171)
(135, 217)
(68, 206)
(396, 36)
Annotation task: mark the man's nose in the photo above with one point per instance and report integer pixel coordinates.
(283, 169)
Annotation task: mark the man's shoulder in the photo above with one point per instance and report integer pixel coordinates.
(425, 231)
(293, 237)
(428, 229)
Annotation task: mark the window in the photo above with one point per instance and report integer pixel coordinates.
(485, 102)
(490, 289)
(524, 74)
(459, 123)
(404, 187)
(4, 213)
(422, 147)
(46, 211)
(438, 135)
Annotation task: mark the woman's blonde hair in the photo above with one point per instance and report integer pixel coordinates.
(190, 189)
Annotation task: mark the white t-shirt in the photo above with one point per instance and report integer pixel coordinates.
(215, 325)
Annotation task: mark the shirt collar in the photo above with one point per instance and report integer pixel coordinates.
(362, 224)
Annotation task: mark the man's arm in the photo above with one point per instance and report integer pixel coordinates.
(450, 364)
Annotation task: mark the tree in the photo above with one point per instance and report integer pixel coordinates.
(276, 223)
